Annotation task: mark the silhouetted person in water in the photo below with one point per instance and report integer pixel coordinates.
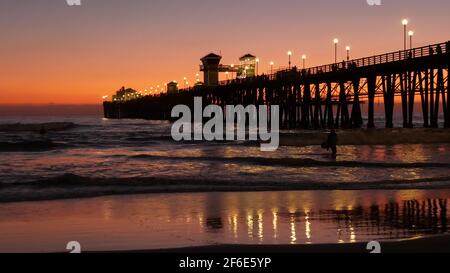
(331, 142)
(42, 131)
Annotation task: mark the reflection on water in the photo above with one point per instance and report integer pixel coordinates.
(137, 148)
(178, 220)
(247, 164)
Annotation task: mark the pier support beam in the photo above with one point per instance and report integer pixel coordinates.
(433, 119)
(404, 95)
(317, 107)
(356, 117)
(342, 112)
(423, 89)
(329, 115)
(371, 85)
(298, 105)
(411, 97)
(423, 99)
(441, 91)
(306, 106)
(439, 84)
(388, 95)
(447, 113)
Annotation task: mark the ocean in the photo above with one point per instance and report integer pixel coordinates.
(391, 192)
(137, 149)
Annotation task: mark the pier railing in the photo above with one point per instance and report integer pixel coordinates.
(425, 51)
(402, 55)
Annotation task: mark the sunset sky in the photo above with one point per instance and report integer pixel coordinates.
(53, 53)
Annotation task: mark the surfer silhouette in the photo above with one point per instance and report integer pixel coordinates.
(331, 142)
(42, 131)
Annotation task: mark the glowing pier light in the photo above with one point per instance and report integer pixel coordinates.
(289, 55)
(410, 34)
(336, 42)
(405, 24)
(347, 48)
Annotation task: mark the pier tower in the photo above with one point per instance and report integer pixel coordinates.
(247, 68)
(210, 69)
(172, 87)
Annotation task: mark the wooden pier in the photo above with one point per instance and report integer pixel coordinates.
(328, 96)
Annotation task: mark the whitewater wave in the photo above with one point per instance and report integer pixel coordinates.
(73, 186)
(292, 162)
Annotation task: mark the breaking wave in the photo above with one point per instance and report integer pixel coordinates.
(73, 186)
(294, 162)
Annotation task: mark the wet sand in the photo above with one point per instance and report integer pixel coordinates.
(368, 137)
(305, 221)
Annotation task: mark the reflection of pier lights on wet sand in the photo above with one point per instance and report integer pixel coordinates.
(214, 205)
(250, 224)
(293, 237)
(235, 225)
(260, 226)
(307, 228)
(349, 219)
(275, 223)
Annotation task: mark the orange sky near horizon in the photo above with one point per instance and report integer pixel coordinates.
(52, 53)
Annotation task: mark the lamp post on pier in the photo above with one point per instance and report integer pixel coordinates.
(289, 54)
(257, 64)
(410, 34)
(335, 41)
(405, 24)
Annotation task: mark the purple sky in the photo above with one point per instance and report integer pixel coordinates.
(55, 53)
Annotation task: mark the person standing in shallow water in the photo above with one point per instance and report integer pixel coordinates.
(42, 131)
(331, 142)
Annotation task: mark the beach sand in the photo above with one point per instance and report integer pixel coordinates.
(247, 222)
(432, 244)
